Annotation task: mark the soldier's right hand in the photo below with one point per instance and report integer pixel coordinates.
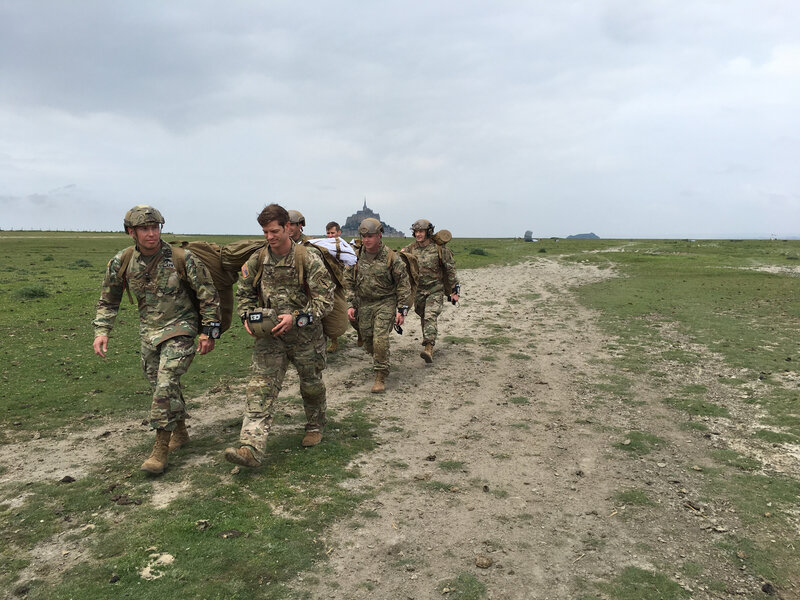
(248, 328)
(351, 314)
(100, 345)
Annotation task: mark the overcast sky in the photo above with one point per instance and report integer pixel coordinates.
(627, 118)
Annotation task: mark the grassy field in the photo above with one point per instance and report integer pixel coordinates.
(674, 299)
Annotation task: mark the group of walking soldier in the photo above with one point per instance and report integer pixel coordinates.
(284, 292)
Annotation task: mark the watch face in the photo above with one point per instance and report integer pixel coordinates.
(214, 333)
(302, 320)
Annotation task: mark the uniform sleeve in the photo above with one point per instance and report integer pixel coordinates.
(449, 263)
(110, 298)
(246, 293)
(199, 278)
(320, 286)
(402, 281)
(350, 285)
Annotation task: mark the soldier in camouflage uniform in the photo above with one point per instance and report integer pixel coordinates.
(436, 264)
(295, 226)
(381, 291)
(168, 321)
(271, 290)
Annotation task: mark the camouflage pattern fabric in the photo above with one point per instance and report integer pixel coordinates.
(280, 289)
(429, 307)
(372, 279)
(429, 301)
(305, 349)
(431, 274)
(163, 366)
(375, 320)
(377, 290)
(166, 309)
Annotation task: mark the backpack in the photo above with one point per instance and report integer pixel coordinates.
(409, 260)
(441, 238)
(334, 324)
(209, 254)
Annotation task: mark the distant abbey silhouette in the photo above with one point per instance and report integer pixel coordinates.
(350, 227)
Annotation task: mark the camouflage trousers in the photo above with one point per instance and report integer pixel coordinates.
(163, 366)
(375, 321)
(305, 349)
(429, 307)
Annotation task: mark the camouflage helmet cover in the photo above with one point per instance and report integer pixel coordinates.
(296, 217)
(261, 322)
(422, 225)
(142, 214)
(371, 226)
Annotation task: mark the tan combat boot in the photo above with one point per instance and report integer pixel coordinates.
(311, 438)
(180, 436)
(380, 383)
(157, 461)
(333, 346)
(242, 456)
(427, 353)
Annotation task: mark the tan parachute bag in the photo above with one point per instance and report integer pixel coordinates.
(412, 268)
(235, 254)
(209, 254)
(335, 323)
(441, 238)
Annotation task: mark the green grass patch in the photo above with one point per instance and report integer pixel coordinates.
(451, 339)
(451, 465)
(639, 584)
(268, 513)
(519, 356)
(697, 407)
(736, 460)
(776, 437)
(640, 443)
(464, 586)
(633, 498)
(519, 400)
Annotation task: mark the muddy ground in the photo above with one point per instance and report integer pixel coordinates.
(500, 460)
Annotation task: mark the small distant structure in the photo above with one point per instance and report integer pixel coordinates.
(529, 237)
(350, 227)
(584, 236)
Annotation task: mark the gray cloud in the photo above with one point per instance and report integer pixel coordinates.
(620, 117)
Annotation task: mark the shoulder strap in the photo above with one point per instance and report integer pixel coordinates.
(260, 268)
(389, 259)
(299, 260)
(123, 270)
(179, 260)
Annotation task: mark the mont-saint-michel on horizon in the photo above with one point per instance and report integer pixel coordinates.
(350, 226)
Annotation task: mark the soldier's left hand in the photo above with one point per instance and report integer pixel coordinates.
(285, 323)
(453, 298)
(206, 344)
(399, 319)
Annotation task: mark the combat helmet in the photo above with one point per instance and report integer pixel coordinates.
(423, 225)
(142, 214)
(296, 217)
(370, 225)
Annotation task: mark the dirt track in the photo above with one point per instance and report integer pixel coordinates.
(496, 460)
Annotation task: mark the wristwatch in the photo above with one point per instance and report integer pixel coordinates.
(304, 319)
(213, 330)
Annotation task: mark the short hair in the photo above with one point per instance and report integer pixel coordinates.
(273, 212)
(333, 224)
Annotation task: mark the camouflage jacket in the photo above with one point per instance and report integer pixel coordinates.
(280, 288)
(372, 279)
(432, 269)
(166, 306)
